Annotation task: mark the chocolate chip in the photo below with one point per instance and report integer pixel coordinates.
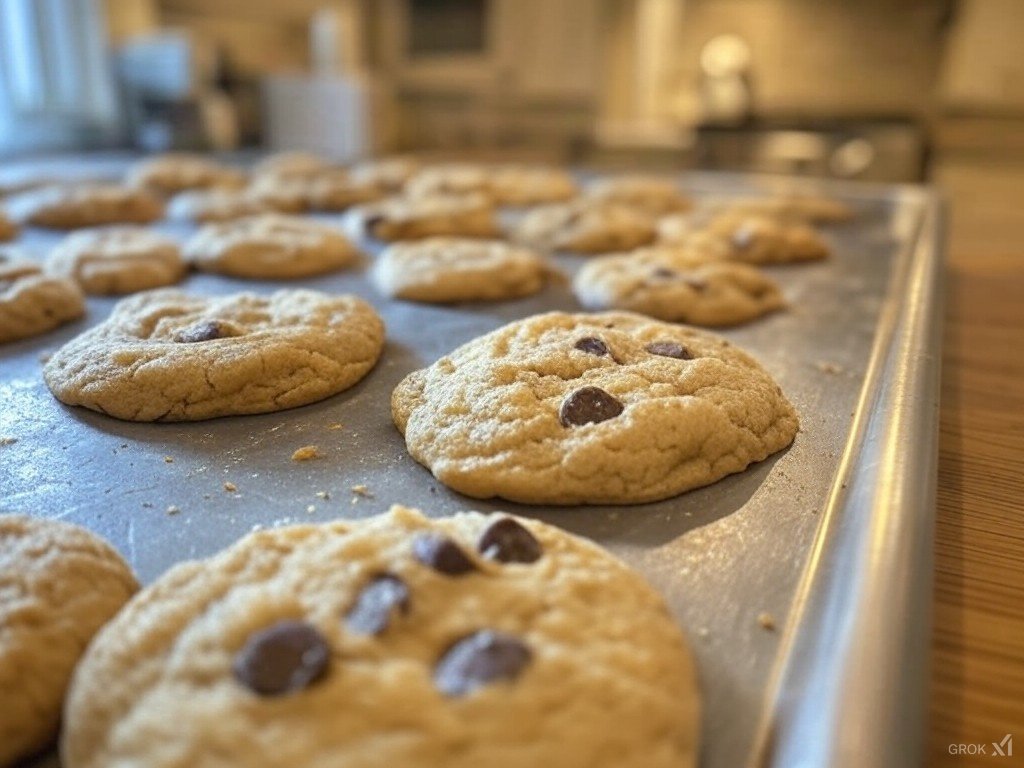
(370, 223)
(507, 541)
(588, 405)
(284, 657)
(663, 273)
(373, 609)
(442, 554)
(208, 330)
(669, 349)
(478, 659)
(696, 284)
(592, 346)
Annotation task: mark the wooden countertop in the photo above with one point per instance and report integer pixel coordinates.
(977, 692)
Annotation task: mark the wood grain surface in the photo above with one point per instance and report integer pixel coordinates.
(977, 695)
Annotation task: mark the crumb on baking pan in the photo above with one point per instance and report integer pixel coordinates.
(306, 452)
(230, 487)
(323, 495)
(335, 425)
(362, 490)
(766, 620)
(169, 459)
(8, 440)
(826, 367)
(173, 509)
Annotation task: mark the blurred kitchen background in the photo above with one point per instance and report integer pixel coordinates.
(874, 89)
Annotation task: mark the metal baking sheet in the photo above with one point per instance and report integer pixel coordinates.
(830, 538)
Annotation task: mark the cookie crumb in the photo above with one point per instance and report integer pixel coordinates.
(826, 367)
(168, 459)
(335, 425)
(323, 495)
(311, 509)
(703, 632)
(147, 505)
(361, 490)
(8, 440)
(306, 453)
(173, 509)
(766, 620)
(230, 487)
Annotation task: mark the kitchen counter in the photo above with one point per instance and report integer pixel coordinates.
(977, 692)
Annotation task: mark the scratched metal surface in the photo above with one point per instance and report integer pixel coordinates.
(721, 555)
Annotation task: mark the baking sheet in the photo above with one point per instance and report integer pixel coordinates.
(722, 555)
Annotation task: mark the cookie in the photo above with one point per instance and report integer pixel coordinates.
(585, 227)
(175, 172)
(71, 206)
(284, 194)
(169, 356)
(337, 190)
(413, 218)
(605, 408)
(789, 208)
(58, 585)
(270, 247)
(389, 174)
(744, 238)
(31, 302)
(210, 205)
(449, 179)
(118, 260)
(283, 164)
(8, 229)
(677, 286)
(653, 194)
(465, 641)
(449, 270)
(515, 185)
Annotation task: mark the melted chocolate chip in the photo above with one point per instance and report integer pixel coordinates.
(669, 349)
(507, 541)
(592, 346)
(370, 223)
(442, 554)
(379, 599)
(285, 657)
(478, 659)
(208, 330)
(588, 405)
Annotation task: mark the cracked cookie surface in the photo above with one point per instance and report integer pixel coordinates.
(70, 206)
(678, 286)
(175, 172)
(58, 585)
(464, 641)
(210, 205)
(270, 247)
(32, 302)
(451, 270)
(604, 408)
(169, 356)
(584, 226)
(118, 260)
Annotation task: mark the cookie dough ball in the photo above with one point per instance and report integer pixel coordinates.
(175, 172)
(678, 286)
(213, 205)
(585, 227)
(450, 270)
(58, 585)
(607, 408)
(465, 641)
(118, 260)
(654, 194)
(72, 206)
(414, 218)
(168, 356)
(8, 229)
(743, 238)
(32, 302)
(270, 247)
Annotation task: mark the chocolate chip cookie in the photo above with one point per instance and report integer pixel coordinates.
(466, 641)
(270, 247)
(70, 206)
(584, 226)
(447, 269)
(413, 218)
(32, 302)
(58, 585)
(519, 185)
(175, 172)
(654, 194)
(449, 179)
(744, 238)
(679, 286)
(168, 356)
(606, 408)
(118, 260)
(389, 174)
